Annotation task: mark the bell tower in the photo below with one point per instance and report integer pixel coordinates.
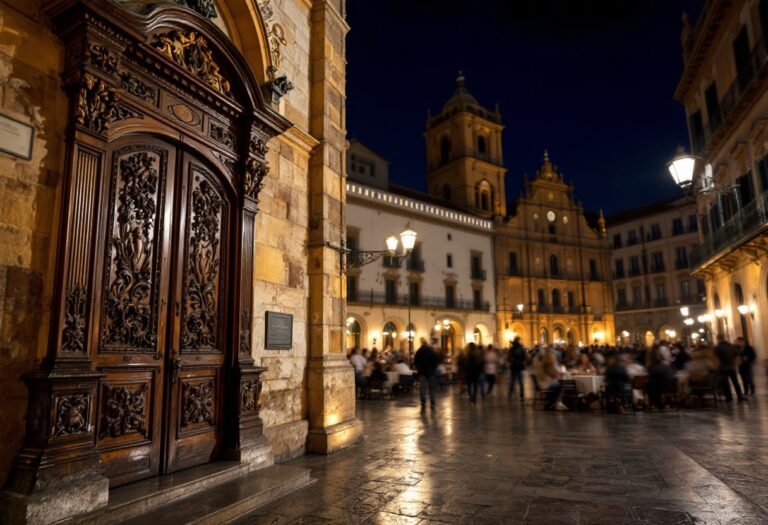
(464, 157)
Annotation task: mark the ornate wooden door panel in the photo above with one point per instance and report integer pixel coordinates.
(131, 316)
(200, 335)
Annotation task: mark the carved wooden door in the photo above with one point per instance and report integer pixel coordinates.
(163, 312)
(199, 332)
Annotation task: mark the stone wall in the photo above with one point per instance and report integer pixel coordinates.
(30, 59)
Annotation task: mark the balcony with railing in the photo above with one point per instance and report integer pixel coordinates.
(748, 222)
(478, 274)
(743, 83)
(391, 262)
(382, 298)
(415, 265)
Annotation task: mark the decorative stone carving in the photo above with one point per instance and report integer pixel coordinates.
(197, 404)
(124, 411)
(250, 396)
(128, 308)
(278, 87)
(191, 52)
(222, 135)
(136, 87)
(245, 332)
(203, 7)
(200, 312)
(73, 334)
(103, 59)
(255, 172)
(71, 414)
(97, 105)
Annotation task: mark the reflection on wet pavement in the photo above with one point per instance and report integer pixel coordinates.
(499, 462)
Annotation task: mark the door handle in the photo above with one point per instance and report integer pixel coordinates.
(176, 367)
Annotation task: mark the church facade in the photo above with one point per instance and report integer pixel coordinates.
(172, 229)
(551, 262)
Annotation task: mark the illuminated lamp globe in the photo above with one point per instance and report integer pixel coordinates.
(408, 238)
(681, 168)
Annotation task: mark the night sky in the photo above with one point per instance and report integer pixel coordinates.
(591, 81)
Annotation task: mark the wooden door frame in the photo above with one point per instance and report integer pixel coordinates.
(124, 74)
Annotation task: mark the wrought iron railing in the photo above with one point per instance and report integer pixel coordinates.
(743, 224)
(754, 64)
(373, 297)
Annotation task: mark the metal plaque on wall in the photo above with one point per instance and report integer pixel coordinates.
(279, 331)
(16, 137)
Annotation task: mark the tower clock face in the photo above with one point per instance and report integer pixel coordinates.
(551, 216)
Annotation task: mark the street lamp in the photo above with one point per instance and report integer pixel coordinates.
(358, 258)
(681, 167)
(684, 311)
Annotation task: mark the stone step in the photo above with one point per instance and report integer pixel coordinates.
(228, 501)
(147, 495)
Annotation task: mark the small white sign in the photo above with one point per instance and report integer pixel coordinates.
(16, 137)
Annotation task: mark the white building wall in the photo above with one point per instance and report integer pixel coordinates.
(372, 215)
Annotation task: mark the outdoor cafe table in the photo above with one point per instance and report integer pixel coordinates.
(588, 384)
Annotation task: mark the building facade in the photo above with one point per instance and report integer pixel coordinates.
(723, 90)
(551, 265)
(444, 291)
(167, 190)
(650, 258)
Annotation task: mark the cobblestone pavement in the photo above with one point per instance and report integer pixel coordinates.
(500, 462)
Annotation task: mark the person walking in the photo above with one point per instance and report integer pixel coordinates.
(474, 371)
(490, 367)
(426, 361)
(728, 355)
(517, 362)
(748, 357)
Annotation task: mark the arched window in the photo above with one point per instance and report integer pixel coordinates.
(353, 335)
(542, 298)
(445, 149)
(484, 201)
(555, 297)
(389, 334)
(447, 192)
(554, 268)
(482, 146)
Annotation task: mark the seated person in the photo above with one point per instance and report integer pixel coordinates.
(701, 366)
(661, 378)
(617, 380)
(633, 367)
(583, 366)
(379, 375)
(548, 378)
(402, 369)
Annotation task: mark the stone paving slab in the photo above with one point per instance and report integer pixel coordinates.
(503, 463)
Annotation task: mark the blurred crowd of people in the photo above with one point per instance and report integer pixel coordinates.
(478, 368)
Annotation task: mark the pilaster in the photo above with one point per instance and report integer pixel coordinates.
(332, 422)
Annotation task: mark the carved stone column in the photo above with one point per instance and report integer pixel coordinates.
(332, 422)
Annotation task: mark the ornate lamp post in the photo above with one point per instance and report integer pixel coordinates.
(358, 258)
